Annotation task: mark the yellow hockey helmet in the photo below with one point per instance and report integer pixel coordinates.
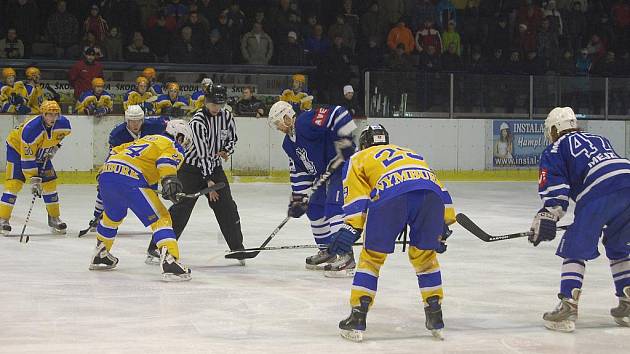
(7, 72)
(50, 107)
(172, 86)
(299, 78)
(149, 73)
(31, 72)
(142, 79)
(98, 82)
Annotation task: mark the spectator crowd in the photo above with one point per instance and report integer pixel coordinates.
(340, 37)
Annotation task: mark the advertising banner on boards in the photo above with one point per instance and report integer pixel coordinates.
(517, 143)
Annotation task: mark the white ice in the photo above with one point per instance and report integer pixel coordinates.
(495, 293)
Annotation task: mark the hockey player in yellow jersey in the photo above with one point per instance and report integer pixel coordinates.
(198, 98)
(30, 148)
(33, 91)
(140, 96)
(297, 96)
(96, 101)
(128, 180)
(12, 93)
(171, 103)
(386, 189)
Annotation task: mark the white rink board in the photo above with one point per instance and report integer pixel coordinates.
(495, 294)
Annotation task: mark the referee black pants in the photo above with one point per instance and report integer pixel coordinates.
(225, 209)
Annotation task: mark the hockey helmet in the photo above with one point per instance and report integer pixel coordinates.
(134, 112)
(373, 135)
(178, 128)
(217, 94)
(563, 118)
(31, 72)
(149, 73)
(206, 82)
(299, 78)
(8, 72)
(142, 80)
(278, 111)
(98, 82)
(50, 107)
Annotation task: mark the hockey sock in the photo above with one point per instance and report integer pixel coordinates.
(11, 188)
(572, 276)
(321, 232)
(365, 280)
(335, 222)
(51, 198)
(107, 230)
(620, 269)
(98, 206)
(428, 272)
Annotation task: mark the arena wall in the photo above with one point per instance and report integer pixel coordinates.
(448, 144)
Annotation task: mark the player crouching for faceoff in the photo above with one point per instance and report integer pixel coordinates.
(313, 140)
(585, 168)
(129, 180)
(386, 188)
(30, 149)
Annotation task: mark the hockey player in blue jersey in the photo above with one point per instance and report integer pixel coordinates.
(133, 128)
(313, 139)
(584, 168)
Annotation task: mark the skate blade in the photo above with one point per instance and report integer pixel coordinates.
(623, 321)
(345, 273)
(170, 277)
(58, 231)
(437, 334)
(102, 266)
(561, 326)
(241, 262)
(315, 267)
(352, 335)
(150, 260)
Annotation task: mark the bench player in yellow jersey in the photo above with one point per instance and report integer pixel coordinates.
(128, 180)
(386, 188)
(30, 148)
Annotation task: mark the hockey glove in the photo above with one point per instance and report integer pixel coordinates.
(170, 187)
(100, 111)
(345, 148)
(445, 234)
(543, 227)
(341, 241)
(90, 109)
(16, 99)
(298, 204)
(22, 109)
(36, 186)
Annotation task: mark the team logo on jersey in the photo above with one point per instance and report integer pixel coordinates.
(308, 164)
(320, 117)
(542, 178)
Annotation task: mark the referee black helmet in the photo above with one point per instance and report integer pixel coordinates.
(216, 94)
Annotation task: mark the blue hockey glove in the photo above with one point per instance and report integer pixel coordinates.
(16, 99)
(345, 147)
(100, 111)
(341, 241)
(543, 227)
(90, 109)
(445, 234)
(298, 204)
(22, 109)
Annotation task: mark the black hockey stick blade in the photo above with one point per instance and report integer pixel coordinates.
(91, 224)
(469, 225)
(215, 187)
(245, 254)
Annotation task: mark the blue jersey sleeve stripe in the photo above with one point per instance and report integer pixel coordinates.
(554, 188)
(599, 180)
(332, 118)
(166, 161)
(358, 206)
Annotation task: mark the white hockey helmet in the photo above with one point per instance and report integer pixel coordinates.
(563, 118)
(177, 127)
(278, 111)
(134, 112)
(206, 82)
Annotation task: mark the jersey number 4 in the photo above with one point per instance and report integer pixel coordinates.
(136, 150)
(583, 144)
(390, 156)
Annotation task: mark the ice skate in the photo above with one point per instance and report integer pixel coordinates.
(563, 317)
(102, 259)
(343, 267)
(621, 313)
(433, 314)
(57, 226)
(172, 270)
(153, 256)
(318, 261)
(352, 328)
(5, 228)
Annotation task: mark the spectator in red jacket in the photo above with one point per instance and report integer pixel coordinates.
(96, 24)
(83, 71)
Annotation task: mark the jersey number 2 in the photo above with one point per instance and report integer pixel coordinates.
(136, 150)
(394, 155)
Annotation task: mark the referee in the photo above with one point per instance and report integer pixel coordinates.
(214, 137)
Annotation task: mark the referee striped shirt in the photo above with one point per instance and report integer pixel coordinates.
(211, 134)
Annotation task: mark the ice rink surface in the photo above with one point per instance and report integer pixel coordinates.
(495, 293)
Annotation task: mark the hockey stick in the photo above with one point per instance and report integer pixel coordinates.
(276, 248)
(469, 225)
(28, 215)
(244, 254)
(215, 187)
